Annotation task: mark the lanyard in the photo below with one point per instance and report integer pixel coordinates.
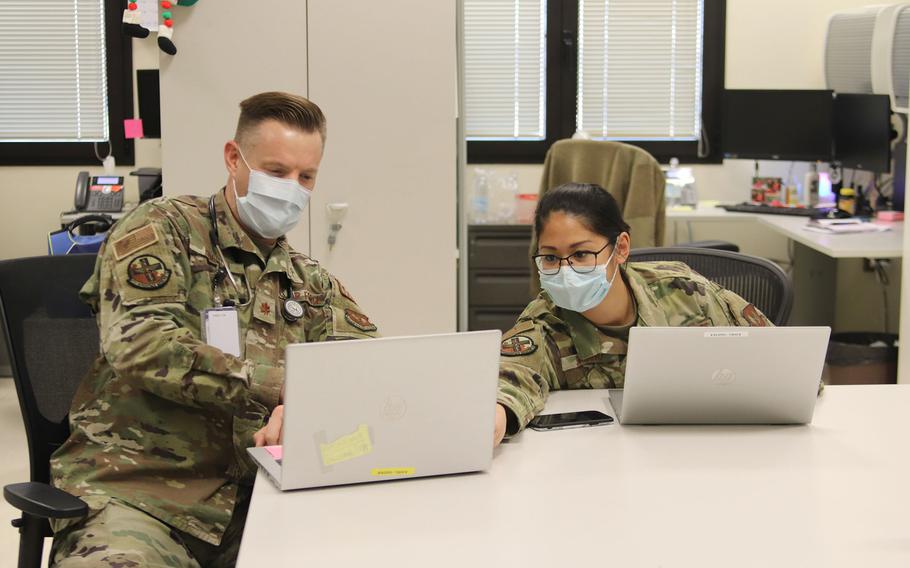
(291, 309)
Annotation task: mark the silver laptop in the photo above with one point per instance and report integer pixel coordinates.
(721, 375)
(392, 408)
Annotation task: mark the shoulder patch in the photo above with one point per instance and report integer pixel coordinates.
(147, 272)
(517, 345)
(134, 241)
(753, 316)
(358, 320)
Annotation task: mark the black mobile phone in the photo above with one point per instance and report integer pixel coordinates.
(569, 420)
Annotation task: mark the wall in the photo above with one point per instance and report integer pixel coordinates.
(25, 223)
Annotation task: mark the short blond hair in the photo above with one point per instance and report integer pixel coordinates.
(293, 110)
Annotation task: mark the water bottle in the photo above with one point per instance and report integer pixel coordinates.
(480, 201)
(673, 191)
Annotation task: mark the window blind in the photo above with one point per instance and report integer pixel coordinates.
(53, 80)
(505, 69)
(640, 69)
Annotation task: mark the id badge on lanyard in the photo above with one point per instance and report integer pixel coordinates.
(221, 329)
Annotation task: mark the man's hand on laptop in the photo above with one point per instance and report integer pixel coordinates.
(271, 434)
(499, 432)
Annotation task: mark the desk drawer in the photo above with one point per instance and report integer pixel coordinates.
(488, 288)
(502, 319)
(505, 249)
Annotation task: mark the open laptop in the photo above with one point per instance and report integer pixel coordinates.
(391, 408)
(721, 375)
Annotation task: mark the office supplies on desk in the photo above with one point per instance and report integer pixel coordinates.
(840, 226)
(721, 375)
(391, 408)
(774, 210)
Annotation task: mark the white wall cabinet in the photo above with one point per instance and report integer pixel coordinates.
(385, 75)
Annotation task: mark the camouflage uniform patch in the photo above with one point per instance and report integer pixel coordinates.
(134, 241)
(358, 320)
(517, 345)
(753, 316)
(147, 272)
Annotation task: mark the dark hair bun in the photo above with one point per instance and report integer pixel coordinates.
(590, 203)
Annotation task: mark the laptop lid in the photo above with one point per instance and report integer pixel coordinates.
(390, 408)
(723, 375)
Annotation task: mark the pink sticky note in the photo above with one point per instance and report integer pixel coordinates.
(276, 451)
(132, 127)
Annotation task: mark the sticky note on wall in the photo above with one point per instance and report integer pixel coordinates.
(132, 128)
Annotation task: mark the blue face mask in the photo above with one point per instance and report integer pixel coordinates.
(578, 292)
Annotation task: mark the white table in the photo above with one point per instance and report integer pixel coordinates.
(888, 244)
(832, 494)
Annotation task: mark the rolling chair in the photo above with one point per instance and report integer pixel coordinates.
(757, 280)
(52, 339)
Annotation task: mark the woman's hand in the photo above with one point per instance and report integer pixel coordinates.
(271, 434)
(499, 432)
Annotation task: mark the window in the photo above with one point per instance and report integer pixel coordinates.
(505, 69)
(645, 72)
(65, 82)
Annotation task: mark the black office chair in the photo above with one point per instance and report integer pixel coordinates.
(52, 339)
(759, 281)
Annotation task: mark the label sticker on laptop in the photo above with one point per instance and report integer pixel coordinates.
(347, 447)
(727, 333)
(390, 471)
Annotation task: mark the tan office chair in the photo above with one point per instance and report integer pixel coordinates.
(631, 175)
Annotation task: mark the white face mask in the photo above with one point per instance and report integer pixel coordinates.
(272, 205)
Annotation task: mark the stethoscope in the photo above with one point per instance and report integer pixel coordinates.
(291, 309)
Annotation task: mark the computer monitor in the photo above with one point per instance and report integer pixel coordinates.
(778, 125)
(862, 132)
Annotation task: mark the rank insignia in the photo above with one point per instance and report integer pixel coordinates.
(147, 272)
(265, 308)
(518, 345)
(358, 320)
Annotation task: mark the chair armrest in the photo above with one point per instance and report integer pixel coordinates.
(42, 500)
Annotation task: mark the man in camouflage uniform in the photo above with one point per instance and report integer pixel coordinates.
(550, 348)
(161, 423)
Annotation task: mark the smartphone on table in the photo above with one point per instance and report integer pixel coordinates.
(561, 420)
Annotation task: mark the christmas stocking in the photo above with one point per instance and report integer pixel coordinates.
(131, 26)
(166, 28)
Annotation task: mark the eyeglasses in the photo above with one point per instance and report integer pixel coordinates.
(581, 261)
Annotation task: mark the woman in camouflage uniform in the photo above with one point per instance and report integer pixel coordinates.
(574, 334)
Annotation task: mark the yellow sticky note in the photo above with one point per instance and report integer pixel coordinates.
(347, 447)
(392, 471)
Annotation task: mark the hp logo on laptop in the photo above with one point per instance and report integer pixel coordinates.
(394, 408)
(723, 377)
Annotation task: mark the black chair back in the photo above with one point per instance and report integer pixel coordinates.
(52, 339)
(757, 280)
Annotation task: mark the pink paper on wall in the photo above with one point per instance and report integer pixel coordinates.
(132, 128)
